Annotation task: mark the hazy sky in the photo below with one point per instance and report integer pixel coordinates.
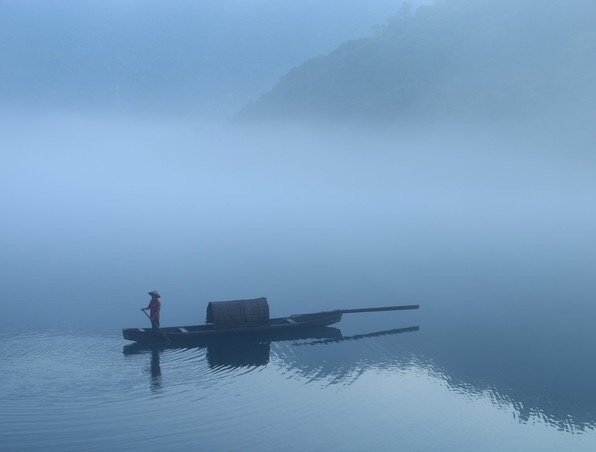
(102, 194)
(209, 56)
(108, 191)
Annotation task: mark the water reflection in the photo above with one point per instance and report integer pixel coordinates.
(523, 383)
(333, 361)
(155, 371)
(256, 351)
(362, 336)
(527, 355)
(548, 392)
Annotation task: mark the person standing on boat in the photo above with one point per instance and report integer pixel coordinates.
(154, 307)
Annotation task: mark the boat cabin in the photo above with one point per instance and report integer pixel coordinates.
(238, 313)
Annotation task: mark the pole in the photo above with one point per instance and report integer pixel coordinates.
(386, 308)
(155, 326)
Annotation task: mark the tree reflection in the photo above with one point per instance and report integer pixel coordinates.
(328, 357)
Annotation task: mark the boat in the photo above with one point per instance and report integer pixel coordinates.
(254, 350)
(326, 333)
(242, 318)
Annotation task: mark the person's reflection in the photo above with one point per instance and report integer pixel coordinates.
(155, 370)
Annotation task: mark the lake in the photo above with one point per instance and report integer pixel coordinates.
(494, 236)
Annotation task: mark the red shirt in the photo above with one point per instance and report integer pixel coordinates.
(154, 307)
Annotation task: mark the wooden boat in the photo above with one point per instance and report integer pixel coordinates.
(244, 317)
(237, 341)
(251, 351)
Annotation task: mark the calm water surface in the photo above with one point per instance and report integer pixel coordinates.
(341, 392)
(499, 250)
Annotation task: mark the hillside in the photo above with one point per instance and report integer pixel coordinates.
(454, 58)
(204, 58)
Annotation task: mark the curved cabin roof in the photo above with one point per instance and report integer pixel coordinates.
(238, 313)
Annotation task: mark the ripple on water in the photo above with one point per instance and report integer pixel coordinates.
(69, 390)
(82, 392)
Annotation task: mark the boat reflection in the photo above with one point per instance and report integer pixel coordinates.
(254, 351)
(512, 378)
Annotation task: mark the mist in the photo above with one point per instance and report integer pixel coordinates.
(127, 162)
(325, 155)
(97, 208)
(152, 58)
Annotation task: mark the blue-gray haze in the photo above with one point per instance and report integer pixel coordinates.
(177, 57)
(124, 168)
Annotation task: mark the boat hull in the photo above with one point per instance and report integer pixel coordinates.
(198, 332)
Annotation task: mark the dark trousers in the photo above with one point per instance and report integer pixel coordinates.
(155, 324)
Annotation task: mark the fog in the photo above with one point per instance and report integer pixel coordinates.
(98, 210)
(324, 154)
(120, 173)
(204, 59)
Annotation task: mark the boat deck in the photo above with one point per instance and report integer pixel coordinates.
(190, 332)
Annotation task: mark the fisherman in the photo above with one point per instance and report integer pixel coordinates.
(154, 306)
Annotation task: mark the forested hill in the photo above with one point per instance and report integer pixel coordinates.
(454, 58)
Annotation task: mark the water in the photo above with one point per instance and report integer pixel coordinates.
(69, 391)
(497, 246)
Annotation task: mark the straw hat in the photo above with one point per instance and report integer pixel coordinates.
(155, 293)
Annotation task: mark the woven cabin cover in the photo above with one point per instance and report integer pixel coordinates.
(238, 313)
